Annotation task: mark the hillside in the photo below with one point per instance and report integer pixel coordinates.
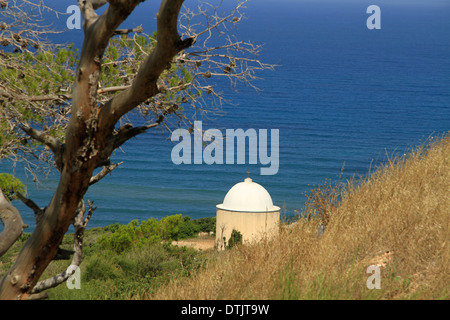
(397, 219)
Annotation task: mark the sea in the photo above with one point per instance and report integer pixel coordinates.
(344, 98)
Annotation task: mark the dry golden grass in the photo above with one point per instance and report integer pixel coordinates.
(398, 218)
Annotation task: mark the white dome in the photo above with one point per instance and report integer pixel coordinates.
(248, 196)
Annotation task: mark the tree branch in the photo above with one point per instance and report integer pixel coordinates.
(54, 144)
(88, 13)
(98, 31)
(13, 223)
(43, 137)
(80, 223)
(127, 131)
(127, 31)
(38, 212)
(105, 171)
(112, 89)
(9, 94)
(38, 296)
(60, 97)
(168, 45)
(97, 3)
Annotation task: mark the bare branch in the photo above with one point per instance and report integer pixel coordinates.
(105, 171)
(80, 225)
(22, 24)
(54, 281)
(126, 132)
(38, 212)
(50, 97)
(127, 31)
(57, 97)
(112, 89)
(83, 223)
(43, 137)
(63, 254)
(50, 141)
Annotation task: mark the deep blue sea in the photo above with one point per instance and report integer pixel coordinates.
(343, 97)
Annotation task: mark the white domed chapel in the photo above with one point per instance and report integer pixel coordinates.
(247, 208)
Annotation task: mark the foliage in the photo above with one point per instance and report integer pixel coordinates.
(123, 237)
(190, 228)
(30, 79)
(130, 274)
(207, 224)
(235, 239)
(10, 185)
(150, 260)
(134, 234)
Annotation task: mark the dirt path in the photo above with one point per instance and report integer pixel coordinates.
(200, 243)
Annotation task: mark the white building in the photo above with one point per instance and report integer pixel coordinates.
(247, 208)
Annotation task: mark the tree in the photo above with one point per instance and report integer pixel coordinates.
(69, 110)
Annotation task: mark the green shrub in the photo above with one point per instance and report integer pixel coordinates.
(188, 228)
(99, 268)
(207, 224)
(10, 185)
(133, 270)
(146, 261)
(121, 238)
(124, 237)
(169, 227)
(112, 227)
(235, 239)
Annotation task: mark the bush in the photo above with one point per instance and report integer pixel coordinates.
(10, 185)
(124, 237)
(206, 224)
(169, 227)
(99, 268)
(235, 239)
(134, 273)
(188, 228)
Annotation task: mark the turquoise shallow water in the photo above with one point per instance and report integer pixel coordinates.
(342, 96)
